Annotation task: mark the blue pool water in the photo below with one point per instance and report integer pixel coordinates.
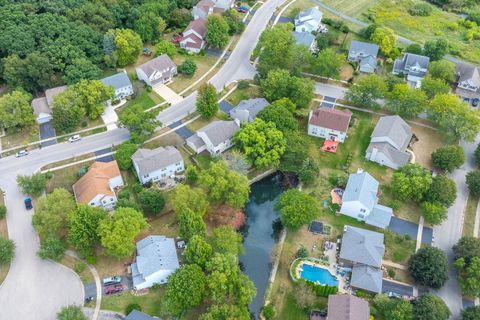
(321, 275)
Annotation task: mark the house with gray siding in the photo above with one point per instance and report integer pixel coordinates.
(413, 66)
(120, 83)
(247, 110)
(215, 137)
(158, 70)
(468, 82)
(365, 54)
(157, 164)
(308, 20)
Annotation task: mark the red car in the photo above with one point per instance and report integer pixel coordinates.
(116, 288)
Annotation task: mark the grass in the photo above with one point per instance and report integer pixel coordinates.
(242, 94)
(469, 215)
(351, 8)
(20, 137)
(397, 248)
(4, 234)
(86, 276)
(204, 63)
(150, 303)
(66, 177)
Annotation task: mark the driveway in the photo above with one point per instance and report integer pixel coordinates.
(166, 93)
(47, 131)
(226, 106)
(101, 152)
(331, 91)
(183, 132)
(404, 227)
(397, 288)
(328, 102)
(110, 117)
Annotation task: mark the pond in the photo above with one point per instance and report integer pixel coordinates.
(259, 235)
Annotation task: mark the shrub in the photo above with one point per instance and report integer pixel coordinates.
(79, 267)
(7, 250)
(191, 175)
(243, 84)
(188, 67)
(302, 252)
(91, 259)
(3, 212)
(420, 9)
(132, 306)
(52, 248)
(391, 273)
(268, 312)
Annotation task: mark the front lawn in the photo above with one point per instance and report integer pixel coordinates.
(66, 177)
(243, 94)
(20, 137)
(150, 303)
(204, 63)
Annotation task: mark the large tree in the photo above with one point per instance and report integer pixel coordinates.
(432, 87)
(82, 228)
(385, 38)
(280, 116)
(392, 309)
(128, 45)
(367, 91)
(328, 63)
(33, 185)
(428, 266)
(225, 240)
(7, 251)
(207, 101)
(151, 200)
(434, 213)
(217, 31)
(165, 47)
(191, 224)
(52, 248)
(442, 190)
(81, 69)
(16, 110)
(296, 208)
(406, 101)
(469, 276)
(471, 313)
(185, 197)
(411, 182)
(198, 251)
(430, 307)
(280, 84)
(467, 248)
(442, 70)
(448, 158)
(124, 155)
(435, 49)
(149, 26)
(276, 49)
(140, 123)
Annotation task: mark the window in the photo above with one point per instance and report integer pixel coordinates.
(362, 210)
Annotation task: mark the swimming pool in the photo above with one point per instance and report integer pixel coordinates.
(318, 275)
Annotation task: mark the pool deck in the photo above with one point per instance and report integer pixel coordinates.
(330, 269)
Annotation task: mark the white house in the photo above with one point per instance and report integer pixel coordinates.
(215, 137)
(414, 66)
(157, 164)
(97, 187)
(206, 7)
(158, 70)
(308, 20)
(193, 37)
(156, 260)
(329, 123)
(468, 83)
(120, 83)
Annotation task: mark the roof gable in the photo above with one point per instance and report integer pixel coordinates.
(330, 118)
(393, 128)
(152, 160)
(96, 181)
(158, 64)
(365, 47)
(362, 187)
(362, 246)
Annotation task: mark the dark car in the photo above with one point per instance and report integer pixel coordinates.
(475, 102)
(116, 288)
(28, 203)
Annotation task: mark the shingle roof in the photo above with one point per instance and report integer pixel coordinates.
(362, 187)
(152, 160)
(198, 25)
(468, 72)
(160, 63)
(380, 216)
(330, 118)
(312, 12)
(138, 315)
(367, 48)
(347, 307)
(362, 246)
(410, 59)
(396, 129)
(367, 278)
(96, 181)
(195, 140)
(117, 81)
(303, 38)
(50, 94)
(369, 60)
(40, 105)
(396, 156)
(220, 131)
(251, 107)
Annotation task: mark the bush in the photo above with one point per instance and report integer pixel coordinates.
(473, 182)
(429, 267)
(52, 248)
(448, 158)
(91, 259)
(420, 9)
(3, 212)
(151, 200)
(268, 312)
(243, 84)
(191, 175)
(132, 306)
(79, 267)
(320, 291)
(188, 67)
(302, 252)
(7, 250)
(391, 273)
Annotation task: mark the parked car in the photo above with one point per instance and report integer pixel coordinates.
(21, 153)
(114, 288)
(112, 280)
(74, 138)
(243, 9)
(28, 203)
(475, 102)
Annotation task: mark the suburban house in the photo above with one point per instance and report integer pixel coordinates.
(206, 7)
(360, 200)
(468, 82)
(329, 123)
(158, 70)
(139, 315)
(414, 66)
(156, 259)
(308, 20)
(389, 142)
(215, 137)
(306, 39)
(365, 54)
(157, 164)
(97, 187)
(347, 307)
(193, 37)
(121, 83)
(362, 251)
(42, 107)
(247, 110)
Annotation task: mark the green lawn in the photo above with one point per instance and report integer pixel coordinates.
(204, 63)
(150, 303)
(351, 8)
(242, 94)
(3, 233)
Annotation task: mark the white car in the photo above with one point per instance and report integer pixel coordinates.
(74, 138)
(112, 280)
(21, 153)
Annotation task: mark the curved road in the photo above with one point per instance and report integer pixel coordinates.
(36, 289)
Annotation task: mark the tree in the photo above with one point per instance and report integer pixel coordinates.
(261, 143)
(185, 289)
(81, 69)
(414, 48)
(128, 46)
(432, 87)
(476, 155)
(124, 155)
(430, 307)
(198, 251)
(180, 17)
(385, 38)
(281, 117)
(406, 101)
(235, 24)
(71, 312)
(91, 96)
(328, 63)
(473, 182)
(191, 224)
(141, 124)
(435, 49)
(16, 110)
(7, 251)
(185, 197)
(367, 91)
(52, 248)
(275, 49)
(188, 67)
(207, 101)
(165, 47)
(191, 175)
(296, 208)
(448, 158)
(66, 113)
(471, 313)
(411, 182)
(51, 212)
(467, 248)
(469, 276)
(442, 190)
(33, 185)
(392, 309)
(226, 312)
(224, 186)
(149, 26)
(434, 213)
(151, 200)
(280, 84)
(309, 171)
(296, 152)
(118, 231)
(217, 31)
(428, 266)
(225, 240)
(82, 228)
(442, 69)
(285, 103)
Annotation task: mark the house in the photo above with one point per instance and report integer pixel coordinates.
(414, 66)
(157, 164)
(468, 82)
(248, 109)
(308, 20)
(360, 200)
(389, 142)
(42, 107)
(365, 54)
(138, 315)
(97, 186)
(120, 83)
(215, 137)
(329, 123)
(347, 307)
(306, 39)
(156, 260)
(193, 37)
(158, 70)
(362, 251)
(206, 7)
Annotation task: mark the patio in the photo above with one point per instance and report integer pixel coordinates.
(330, 146)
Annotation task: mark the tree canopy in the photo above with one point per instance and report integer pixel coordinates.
(406, 101)
(33, 185)
(428, 266)
(198, 251)
(151, 200)
(296, 208)
(217, 34)
(471, 313)
(367, 91)
(473, 182)
(432, 87)
(83, 223)
(128, 45)
(448, 158)
(280, 116)
(191, 224)
(430, 307)
(71, 312)
(207, 101)
(328, 63)
(141, 124)
(411, 182)
(7, 251)
(392, 309)
(385, 38)
(280, 84)
(185, 197)
(442, 190)
(276, 49)
(16, 110)
(225, 240)
(124, 155)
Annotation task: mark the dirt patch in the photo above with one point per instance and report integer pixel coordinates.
(346, 72)
(428, 141)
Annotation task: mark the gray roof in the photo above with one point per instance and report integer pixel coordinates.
(396, 129)
(367, 278)
(117, 81)
(40, 105)
(247, 110)
(50, 94)
(370, 61)
(468, 72)
(362, 246)
(312, 12)
(347, 307)
(361, 186)
(409, 60)
(152, 160)
(380, 216)
(303, 38)
(220, 131)
(160, 63)
(195, 140)
(138, 315)
(398, 157)
(370, 49)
